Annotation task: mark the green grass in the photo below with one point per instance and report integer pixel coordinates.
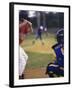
(38, 60)
(31, 37)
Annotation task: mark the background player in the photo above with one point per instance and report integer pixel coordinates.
(39, 34)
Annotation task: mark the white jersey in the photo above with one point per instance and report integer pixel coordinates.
(22, 60)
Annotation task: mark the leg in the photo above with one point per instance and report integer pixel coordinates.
(21, 77)
(53, 70)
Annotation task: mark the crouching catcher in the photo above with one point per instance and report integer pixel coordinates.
(56, 69)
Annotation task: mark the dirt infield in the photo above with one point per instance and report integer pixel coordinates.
(35, 73)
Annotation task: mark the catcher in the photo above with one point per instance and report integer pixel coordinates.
(57, 68)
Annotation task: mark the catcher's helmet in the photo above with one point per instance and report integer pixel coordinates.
(60, 36)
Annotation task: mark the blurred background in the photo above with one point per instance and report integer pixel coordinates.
(51, 20)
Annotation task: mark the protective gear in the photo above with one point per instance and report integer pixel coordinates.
(60, 36)
(58, 65)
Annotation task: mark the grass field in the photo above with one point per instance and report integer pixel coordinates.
(38, 60)
(38, 55)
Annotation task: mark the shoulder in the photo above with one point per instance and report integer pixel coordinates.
(56, 46)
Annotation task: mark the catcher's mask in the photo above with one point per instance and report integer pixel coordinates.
(60, 36)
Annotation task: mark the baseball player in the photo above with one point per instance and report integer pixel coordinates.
(39, 34)
(57, 68)
(24, 28)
